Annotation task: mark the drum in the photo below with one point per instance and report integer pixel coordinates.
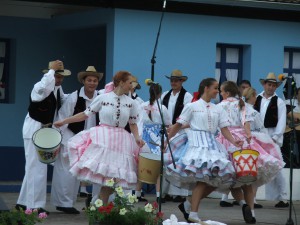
(149, 168)
(47, 144)
(245, 164)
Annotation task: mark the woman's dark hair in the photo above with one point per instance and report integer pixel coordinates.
(154, 90)
(245, 82)
(205, 83)
(120, 76)
(233, 90)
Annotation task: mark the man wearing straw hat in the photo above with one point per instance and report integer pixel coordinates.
(273, 112)
(64, 185)
(45, 100)
(175, 99)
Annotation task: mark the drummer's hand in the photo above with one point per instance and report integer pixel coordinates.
(238, 143)
(140, 142)
(58, 123)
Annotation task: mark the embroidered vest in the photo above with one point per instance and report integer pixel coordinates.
(80, 107)
(43, 111)
(271, 117)
(178, 106)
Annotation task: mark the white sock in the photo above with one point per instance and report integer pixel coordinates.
(255, 200)
(187, 206)
(224, 197)
(194, 215)
(157, 194)
(242, 202)
(83, 189)
(252, 211)
(138, 193)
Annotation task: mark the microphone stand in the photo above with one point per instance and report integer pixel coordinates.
(293, 149)
(163, 133)
(156, 42)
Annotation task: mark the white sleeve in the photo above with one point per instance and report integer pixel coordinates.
(186, 115)
(167, 117)
(187, 98)
(67, 109)
(280, 128)
(95, 106)
(44, 87)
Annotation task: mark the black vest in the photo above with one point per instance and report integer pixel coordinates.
(80, 107)
(271, 117)
(43, 111)
(178, 106)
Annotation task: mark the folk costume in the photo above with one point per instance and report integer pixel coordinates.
(270, 160)
(65, 186)
(204, 159)
(45, 100)
(151, 121)
(175, 104)
(273, 113)
(108, 150)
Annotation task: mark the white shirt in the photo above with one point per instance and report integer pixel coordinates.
(114, 110)
(276, 133)
(40, 91)
(155, 115)
(204, 116)
(173, 98)
(67, 110)
(256, 122)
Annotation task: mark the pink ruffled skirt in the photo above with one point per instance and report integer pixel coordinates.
(104, 152)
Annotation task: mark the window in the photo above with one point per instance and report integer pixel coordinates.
(4, 67)
(229, 63)
(291, 65)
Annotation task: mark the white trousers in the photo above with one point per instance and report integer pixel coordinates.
(65, 187)
(34, 186)
(275, 190)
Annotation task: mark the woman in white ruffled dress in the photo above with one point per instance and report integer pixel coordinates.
(204, 167)
(107, 151)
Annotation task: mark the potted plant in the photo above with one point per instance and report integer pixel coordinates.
(27, 217)
(122, 210)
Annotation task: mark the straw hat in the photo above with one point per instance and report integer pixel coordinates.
(90, 71)
(177, 74)
(61, 71)
(270, 78)
(135, 84)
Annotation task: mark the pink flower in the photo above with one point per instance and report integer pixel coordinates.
(43, 215)
(28, 211)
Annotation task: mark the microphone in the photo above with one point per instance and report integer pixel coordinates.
(165, 2)
(282, 77)
(149, 82)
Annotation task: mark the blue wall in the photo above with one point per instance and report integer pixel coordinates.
(121, 39)
(188, 42)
